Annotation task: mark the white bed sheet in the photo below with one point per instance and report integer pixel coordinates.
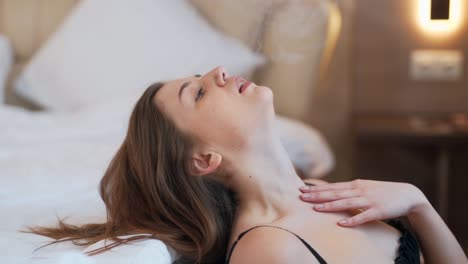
(50, 165)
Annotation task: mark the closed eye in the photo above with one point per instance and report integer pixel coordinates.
(200, 93)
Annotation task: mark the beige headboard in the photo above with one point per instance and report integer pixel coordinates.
(296, 60)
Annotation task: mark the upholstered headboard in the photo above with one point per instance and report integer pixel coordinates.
(297, 37)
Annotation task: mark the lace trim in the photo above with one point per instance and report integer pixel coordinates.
(408, 251)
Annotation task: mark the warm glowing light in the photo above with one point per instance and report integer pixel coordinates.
(441, 26)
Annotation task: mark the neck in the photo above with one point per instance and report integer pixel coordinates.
(267, 184)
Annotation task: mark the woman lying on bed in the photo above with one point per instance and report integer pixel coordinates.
(202, 169)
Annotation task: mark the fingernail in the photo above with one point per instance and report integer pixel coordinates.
(305, 188)
(305, 195)
(319, 206)
(343, 222)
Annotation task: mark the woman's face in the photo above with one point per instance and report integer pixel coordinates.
(211, 108)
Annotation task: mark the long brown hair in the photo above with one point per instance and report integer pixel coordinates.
(147, 188)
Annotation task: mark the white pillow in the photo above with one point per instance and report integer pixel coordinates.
(111, 48)
(307, 149)
(6, 60)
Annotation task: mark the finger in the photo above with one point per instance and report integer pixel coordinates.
(342, 205)
(328, 186)
(326, 196)
(364, 217)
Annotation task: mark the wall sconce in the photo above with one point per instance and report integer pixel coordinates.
(440, 9)
(440, 16)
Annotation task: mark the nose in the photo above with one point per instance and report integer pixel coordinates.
(219, 74)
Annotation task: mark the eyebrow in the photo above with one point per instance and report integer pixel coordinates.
(184, 85)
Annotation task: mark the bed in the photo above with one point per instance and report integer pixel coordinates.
(55, 145)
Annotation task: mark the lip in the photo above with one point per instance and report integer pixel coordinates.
(245, 85)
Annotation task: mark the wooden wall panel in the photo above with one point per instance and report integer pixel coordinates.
(385, 35)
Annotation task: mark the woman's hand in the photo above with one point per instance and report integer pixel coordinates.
(377, 200)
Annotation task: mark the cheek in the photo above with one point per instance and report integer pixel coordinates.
(223, 125)
(230, 122)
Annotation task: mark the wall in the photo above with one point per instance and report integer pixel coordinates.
(386, 32)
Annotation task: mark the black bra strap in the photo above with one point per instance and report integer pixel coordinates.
(316, 255)
(319, 258)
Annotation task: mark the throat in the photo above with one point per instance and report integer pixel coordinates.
(265, 181)
(272, 200)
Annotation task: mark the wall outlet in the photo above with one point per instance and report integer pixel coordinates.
(436, 65)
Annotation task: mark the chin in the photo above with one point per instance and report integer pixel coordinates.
(265, 93)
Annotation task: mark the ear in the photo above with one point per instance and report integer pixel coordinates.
(205, 163)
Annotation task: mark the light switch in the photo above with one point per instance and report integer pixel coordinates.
(436, 65)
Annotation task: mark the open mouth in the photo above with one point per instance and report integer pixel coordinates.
(244, 86)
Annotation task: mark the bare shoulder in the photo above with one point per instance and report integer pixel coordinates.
(270, 245)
